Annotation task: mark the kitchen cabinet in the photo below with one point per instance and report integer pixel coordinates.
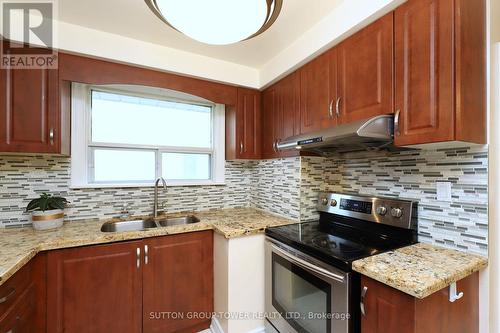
(178, 278)
(95, 289)
(365, 72)
(34, 111)
(440, 58)
(32, 119)
(243, 126)
(131, 286)
(22, 306)
(388, 310)
(316, 97)
(269, 108)
(281, 115)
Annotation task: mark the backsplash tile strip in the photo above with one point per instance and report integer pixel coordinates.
(461, 223)
(25, 177)
(287, 187)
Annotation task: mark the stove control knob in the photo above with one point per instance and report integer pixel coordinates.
(381, 210)
(397, 212)
(333, 203)
(324, 201)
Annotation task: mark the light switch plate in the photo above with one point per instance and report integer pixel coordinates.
(443, 190)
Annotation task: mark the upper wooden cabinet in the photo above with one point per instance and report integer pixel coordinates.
(243, 126)
(269, 111)
(316, 99)
(440, 59)
(387, 310)
(30, 112)
(281, 115)
(365, 72)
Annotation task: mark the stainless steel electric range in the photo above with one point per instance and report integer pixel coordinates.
(310, 285)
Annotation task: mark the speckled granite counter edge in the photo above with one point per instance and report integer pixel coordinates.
(23, 255)
(407, 284)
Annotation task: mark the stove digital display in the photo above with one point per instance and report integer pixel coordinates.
(356, 206)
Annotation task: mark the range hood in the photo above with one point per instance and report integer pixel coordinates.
(369, 134)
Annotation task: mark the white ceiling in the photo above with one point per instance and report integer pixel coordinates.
(133, 19)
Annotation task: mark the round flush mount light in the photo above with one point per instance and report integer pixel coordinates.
(218, 22)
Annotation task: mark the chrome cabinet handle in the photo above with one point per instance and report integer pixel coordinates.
(362, 302)
(51, 136)
(396, 123)
(5, 298)
(241, 147)
(274, 146)
(138, 257)
(330, 109)
(337, 107)
(146, 256)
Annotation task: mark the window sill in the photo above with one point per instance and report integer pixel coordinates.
(141, 185)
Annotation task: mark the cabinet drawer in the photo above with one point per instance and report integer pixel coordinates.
(13, 288)
(19, 318)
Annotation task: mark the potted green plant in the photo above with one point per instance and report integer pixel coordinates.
(47, 211)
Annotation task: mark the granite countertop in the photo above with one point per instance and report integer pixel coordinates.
(18, 246)
(420, 269)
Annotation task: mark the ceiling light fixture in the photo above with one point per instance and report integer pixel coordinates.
(217, 22)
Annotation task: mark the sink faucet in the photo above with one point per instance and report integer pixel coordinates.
(155, 208)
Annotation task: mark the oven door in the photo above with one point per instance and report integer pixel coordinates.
(303, 294)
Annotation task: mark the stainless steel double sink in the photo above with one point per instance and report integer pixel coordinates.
(147, 224)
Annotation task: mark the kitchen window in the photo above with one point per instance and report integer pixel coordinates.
(129, 136)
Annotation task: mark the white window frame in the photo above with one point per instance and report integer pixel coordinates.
(81, 144)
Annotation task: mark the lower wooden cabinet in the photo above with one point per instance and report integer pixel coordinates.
(133, 286)
(22, 299)
(388, 310)
(178, 282)
(95, 289)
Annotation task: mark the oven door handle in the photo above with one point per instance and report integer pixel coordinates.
(304, 264)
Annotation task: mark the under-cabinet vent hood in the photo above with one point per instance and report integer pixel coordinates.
(369, 134)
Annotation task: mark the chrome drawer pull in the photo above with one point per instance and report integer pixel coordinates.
(138, 257)
(330, 109)
(337, 107)
(51, 136)
(146, 255)
(396, 123)
(8, 296)
(362, 302)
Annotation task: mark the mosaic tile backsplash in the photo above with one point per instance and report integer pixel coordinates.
(287, 187)
(24, 177)
(461, 223)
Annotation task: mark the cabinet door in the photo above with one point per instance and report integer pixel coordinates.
(178, 279)
(20, 318)
(248, 124)
(269, 107)
(95, 289)
(315, 101)
(387, 310)
(424, 72)
(365, 72)
(29, 109)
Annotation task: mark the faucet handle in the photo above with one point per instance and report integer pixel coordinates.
(126, 211)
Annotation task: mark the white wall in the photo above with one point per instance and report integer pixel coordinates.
(349, 17)
(239, 281)
(494, 176)
(100, 44)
